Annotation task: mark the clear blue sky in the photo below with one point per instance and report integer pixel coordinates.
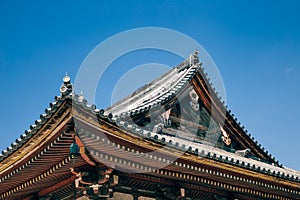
(255, 44)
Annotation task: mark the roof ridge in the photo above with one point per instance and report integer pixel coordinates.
(183, 72)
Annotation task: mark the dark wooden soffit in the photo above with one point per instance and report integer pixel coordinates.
(46, 182)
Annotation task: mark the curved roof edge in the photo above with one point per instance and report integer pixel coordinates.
(189, 72)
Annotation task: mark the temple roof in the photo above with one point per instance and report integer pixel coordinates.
(162, 94)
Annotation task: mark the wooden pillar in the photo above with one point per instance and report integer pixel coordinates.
(135, 193)
(135, 196)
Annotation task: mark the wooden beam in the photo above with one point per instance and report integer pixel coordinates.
(83, 154)
(56, 186)
(188, 123)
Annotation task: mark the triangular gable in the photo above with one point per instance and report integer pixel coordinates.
(183, 104)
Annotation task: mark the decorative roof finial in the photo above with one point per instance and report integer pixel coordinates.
(195, 57)
(81, 97)
(66, 88)
(66, 78)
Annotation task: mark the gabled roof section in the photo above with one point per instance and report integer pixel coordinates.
(125, 124)
(161, 94)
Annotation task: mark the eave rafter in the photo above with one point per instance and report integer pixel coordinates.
(47, 181)
(54, 150)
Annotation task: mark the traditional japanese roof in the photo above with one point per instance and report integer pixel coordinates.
(146, 121)
(163, 92)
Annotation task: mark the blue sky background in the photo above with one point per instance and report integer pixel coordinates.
(255, 44)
